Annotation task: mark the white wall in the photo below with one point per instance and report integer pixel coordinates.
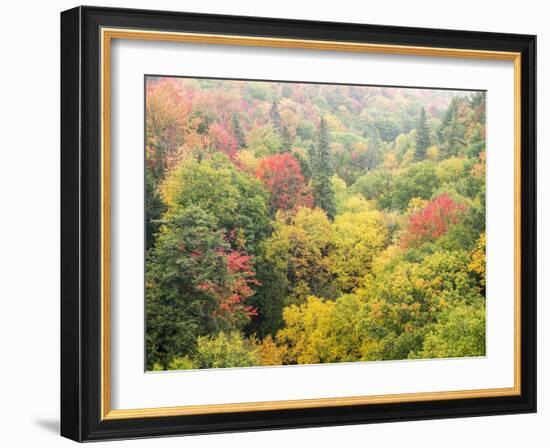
(29, 235)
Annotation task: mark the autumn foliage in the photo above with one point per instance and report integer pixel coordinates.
(433, 221)
(296, 223)
(223, 140)
(233, 296)
(283, 179)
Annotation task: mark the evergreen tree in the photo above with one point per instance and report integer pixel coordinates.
(322, 169)
(312, 159)
(282, 131)
(154, 208)
(188, 249)
(276, 117)
(374, 151)
(476, 100)
(238, 130)
(453, 138)
(305, 164)
(450, 114)
(451, 133)
(286, 140)
(423, 140)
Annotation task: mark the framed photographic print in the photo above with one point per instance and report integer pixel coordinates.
(273, 223)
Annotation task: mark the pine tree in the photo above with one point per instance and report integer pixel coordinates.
(423, 140)
(282, 131)
(238, 130)
(449, 132)
(286, 140)
(276, 117)
(154, 208)
(374, 151)
(476, 100)
(312, 157)
(322, 170)
(446, 120)
(312, 160)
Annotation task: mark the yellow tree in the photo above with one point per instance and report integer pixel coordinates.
(296, 250)
(477, 264)
(320, 331)
(356, 239)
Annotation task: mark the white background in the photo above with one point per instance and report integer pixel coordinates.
(29, 228)
(132, 388)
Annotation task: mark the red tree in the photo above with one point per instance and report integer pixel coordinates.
(233, 294)
(432, 221)
(241, 270)
(222, 140)
(283, 178)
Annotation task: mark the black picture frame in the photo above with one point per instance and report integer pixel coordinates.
(81, 224)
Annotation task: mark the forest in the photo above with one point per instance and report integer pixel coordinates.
(301, 223)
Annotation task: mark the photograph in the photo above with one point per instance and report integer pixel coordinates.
(281, 224)
(291, 223)
(273, 223)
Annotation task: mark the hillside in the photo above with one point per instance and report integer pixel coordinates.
(294, 223)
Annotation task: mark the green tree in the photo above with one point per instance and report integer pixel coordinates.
(275, 117)
(306, 130)
(451, 132)
(238, 202)
(419, 180)
(297, 252)
(374, 151)
(460, 332)
(323, 195)
(263, 141)
(270, 297)
(388, 128)
(154, 208)
(407, 294)
(403, 144)
(224, 350)
(286, 140)
(282, 131)
(178, 309)
(423, 139)
(238, 130)
(376, 185)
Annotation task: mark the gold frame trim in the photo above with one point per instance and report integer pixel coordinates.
(107, 35)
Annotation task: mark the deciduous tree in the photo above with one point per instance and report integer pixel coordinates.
(283, 179)
(238, 202)
(433, 221)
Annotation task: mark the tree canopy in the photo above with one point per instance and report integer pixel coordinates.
(295, 223)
